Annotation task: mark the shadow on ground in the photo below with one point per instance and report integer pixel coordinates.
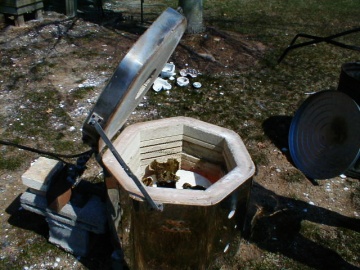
(26, 220)
(100, 246)
(277, 129)
(277, 220)
(276, 225)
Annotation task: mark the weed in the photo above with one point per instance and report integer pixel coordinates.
(31, 253)
(39, 69)
(292, 175)
(10, 162)
(259, 158)
(336, 239)
(35, 114)
(310, 230)
(81, 92)
(67, 146)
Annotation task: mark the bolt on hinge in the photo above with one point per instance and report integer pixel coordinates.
(95, 118)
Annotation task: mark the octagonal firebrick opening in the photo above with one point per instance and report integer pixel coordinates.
(216, 153)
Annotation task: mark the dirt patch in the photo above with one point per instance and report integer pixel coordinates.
(218, 52)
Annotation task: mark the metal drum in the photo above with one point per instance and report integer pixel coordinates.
(324, 139)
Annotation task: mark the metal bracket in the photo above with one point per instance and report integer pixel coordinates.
(96, 123)
(95, 118)
(316, 39)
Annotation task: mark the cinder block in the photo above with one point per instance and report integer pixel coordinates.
(91, 217)
(70, 228)
(38, 176)
(71, 238)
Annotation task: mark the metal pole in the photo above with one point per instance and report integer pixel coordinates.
(142, 11)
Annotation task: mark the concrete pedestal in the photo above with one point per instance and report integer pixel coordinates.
(18, 8)
(70, 228)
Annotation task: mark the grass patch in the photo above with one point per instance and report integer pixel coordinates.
(292, 176)
(39, 69)
(273, 261)
(259, 158)
(335, 238)
(64, 146)
(11, 162)
(80, 92)
(310, 230)
(36, 113)
(29, 254)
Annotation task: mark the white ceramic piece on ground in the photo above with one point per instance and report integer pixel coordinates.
(168, 70)
(161, 84)
(197, 85)
(189, 72)
(182, 81)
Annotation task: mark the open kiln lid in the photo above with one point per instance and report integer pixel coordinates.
(134, 76)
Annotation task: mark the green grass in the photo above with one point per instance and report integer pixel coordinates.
(285, 14)
(80, 92)
(268, 88)
(29, 254)
(39, 108)
(336, 239)
(10, 162)
(292, 176)
(41, 69)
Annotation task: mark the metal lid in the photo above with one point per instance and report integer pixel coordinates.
(324, 136)
(134, 76)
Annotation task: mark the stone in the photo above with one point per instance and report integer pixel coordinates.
(91, 217)
(39, 174)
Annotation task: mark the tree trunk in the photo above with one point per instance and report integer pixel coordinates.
(193, 11)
